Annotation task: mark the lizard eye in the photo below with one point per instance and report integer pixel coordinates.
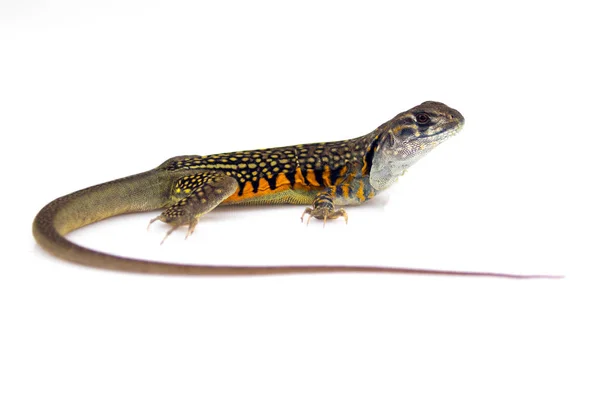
(422, 118)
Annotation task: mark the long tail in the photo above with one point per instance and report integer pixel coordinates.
(150, 191)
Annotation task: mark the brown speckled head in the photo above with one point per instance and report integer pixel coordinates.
(409, 136)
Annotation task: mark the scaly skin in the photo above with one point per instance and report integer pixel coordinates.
(325, 175)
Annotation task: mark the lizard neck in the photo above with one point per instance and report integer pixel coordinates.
(392, 157)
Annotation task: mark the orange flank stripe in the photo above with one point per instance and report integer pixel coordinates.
(281, 180)
(360, 193)
(346, 191)
(342, 176)
(299, 177)
(311, 179)
(364, 159)
(263, 186)
(327, 176)
(281, 184)
(364, 166)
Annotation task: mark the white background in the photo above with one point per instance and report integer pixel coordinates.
(95, 90)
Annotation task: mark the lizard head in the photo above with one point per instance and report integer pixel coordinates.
(409, 136)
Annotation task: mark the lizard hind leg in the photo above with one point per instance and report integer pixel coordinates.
(197, 194)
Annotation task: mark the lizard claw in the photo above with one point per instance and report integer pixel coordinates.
(324, 214)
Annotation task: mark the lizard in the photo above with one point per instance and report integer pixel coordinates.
(326, 176)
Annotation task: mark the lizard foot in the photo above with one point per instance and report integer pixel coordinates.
(191, 226)
(324, 216)
(324, 209)
(197, 194)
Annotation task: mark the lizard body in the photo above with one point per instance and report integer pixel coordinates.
(326, 175)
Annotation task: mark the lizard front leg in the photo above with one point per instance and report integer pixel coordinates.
(323, 208)
(196, 195)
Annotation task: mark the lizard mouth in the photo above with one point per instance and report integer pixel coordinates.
(449, 129)
(445, 133)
